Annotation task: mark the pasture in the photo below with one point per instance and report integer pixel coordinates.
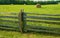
(46, 9)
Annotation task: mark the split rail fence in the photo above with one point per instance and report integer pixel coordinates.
(30, 22)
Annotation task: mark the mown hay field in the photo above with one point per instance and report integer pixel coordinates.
(46, 9)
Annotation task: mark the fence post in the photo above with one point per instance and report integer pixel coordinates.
(21, 21)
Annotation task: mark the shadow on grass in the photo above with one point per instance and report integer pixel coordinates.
(45, 34)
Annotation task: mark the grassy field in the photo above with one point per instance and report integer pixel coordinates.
(46, 9)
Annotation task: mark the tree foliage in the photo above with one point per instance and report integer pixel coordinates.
(25, 2)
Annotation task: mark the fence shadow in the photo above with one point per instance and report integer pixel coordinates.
(40, 33)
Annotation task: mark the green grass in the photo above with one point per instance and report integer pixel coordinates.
(10, 34)
(46, 9)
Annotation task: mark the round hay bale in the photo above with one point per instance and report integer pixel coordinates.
(24, 4)
(38, 5)
(12, 4)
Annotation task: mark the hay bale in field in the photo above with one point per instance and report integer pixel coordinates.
(38, 5)
(24, 4)
(12, 4)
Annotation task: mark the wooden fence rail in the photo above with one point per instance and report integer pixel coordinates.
(43, 31)
(43, 18)
(9, 17)
(44, 22)
(8, 21)
(8, 26)
(43, 28)
(44, 14)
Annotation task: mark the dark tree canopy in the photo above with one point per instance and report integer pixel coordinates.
(26, 2)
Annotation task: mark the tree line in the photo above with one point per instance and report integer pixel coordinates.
(26, 2)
